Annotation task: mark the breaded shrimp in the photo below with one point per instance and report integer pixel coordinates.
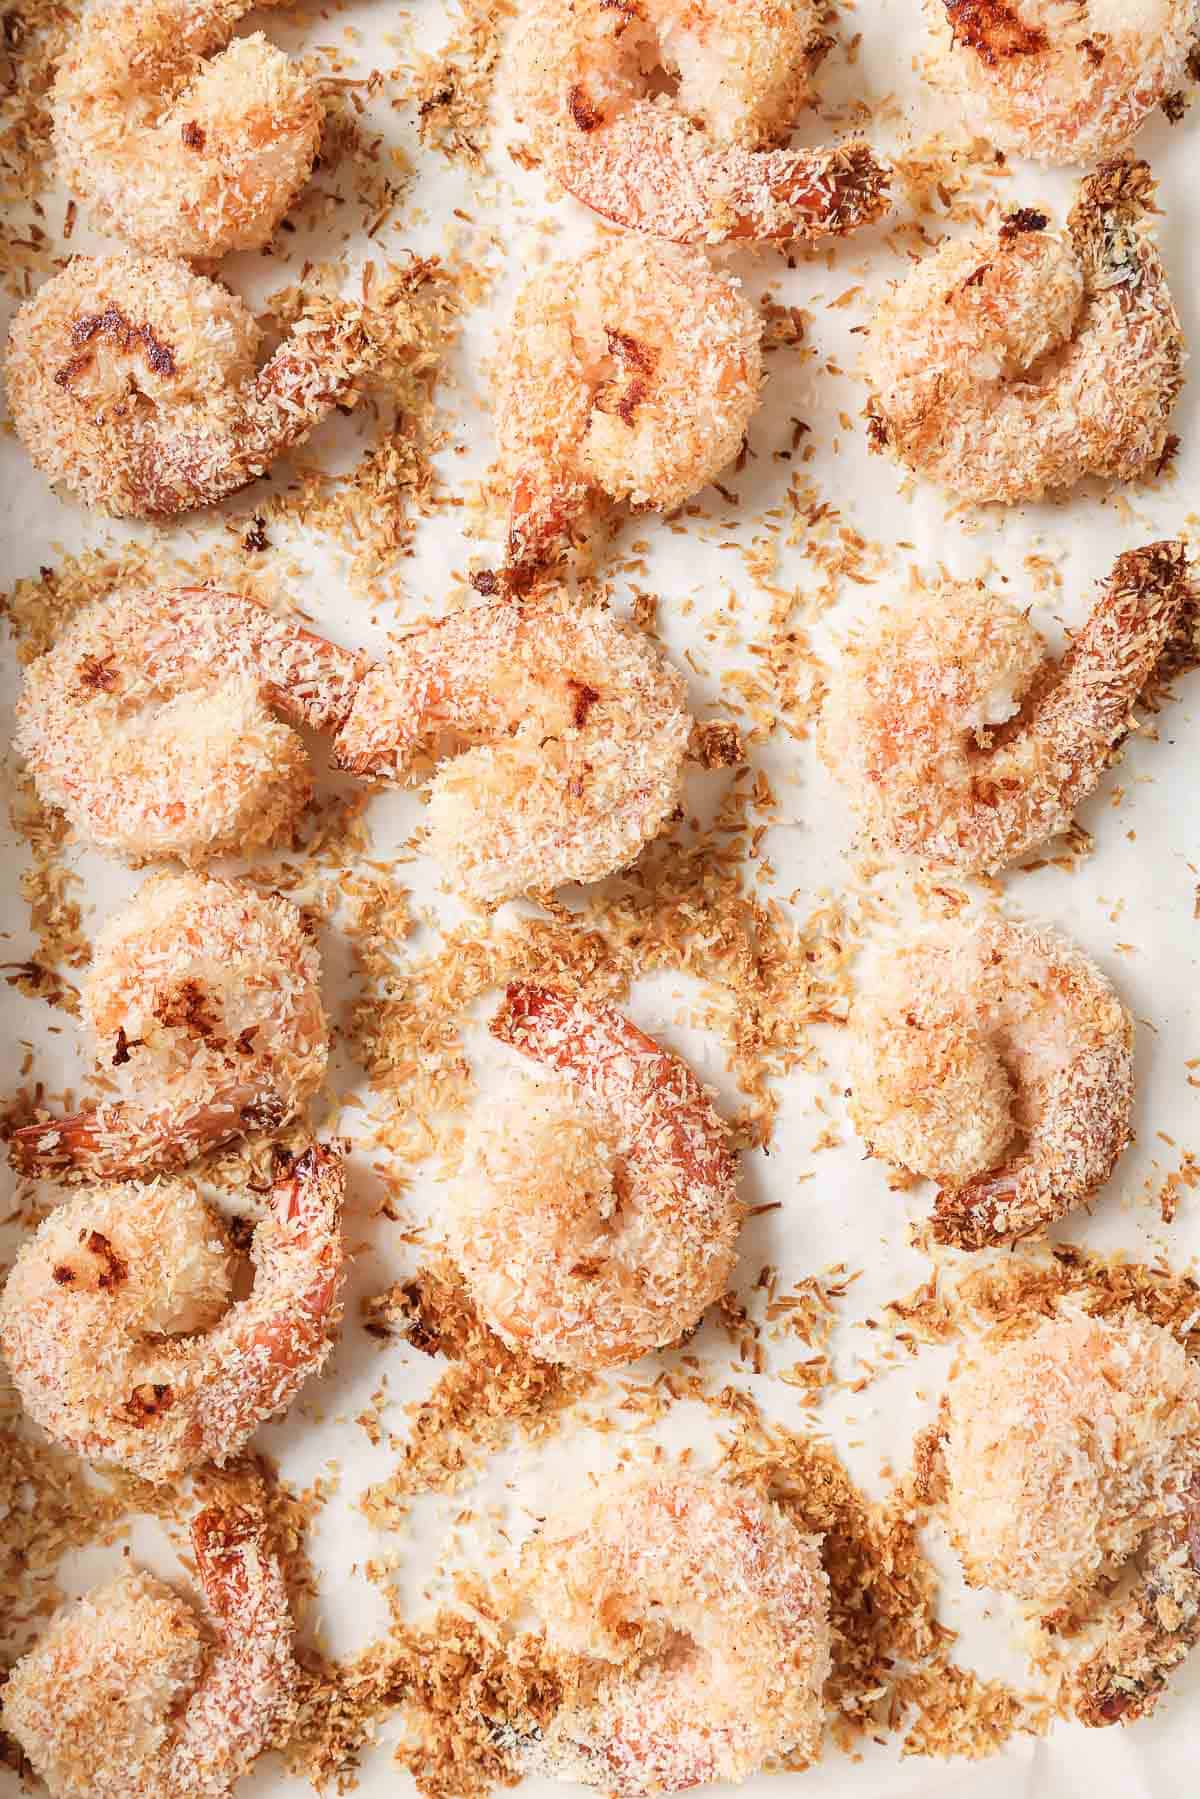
(135, 383)
(1068, 1452)
(204, 999)
(119, 1333)
(1018, 362)
(151, 724)
(960, 741)
(697, 166)
(125, 1697)
(564, 733)
(178, 155)
(705, 1615)
(596, 1216)
(1062, 81)
(629, 374)
(995, 1059)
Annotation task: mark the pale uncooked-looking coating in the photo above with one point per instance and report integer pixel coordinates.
(705, 1613)
(596, 1215)
(996, 1059)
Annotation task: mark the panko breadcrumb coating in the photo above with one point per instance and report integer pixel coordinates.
(1063, 1449)
(566, 733)
(151, 722)
(997, 1060)
(204, 1001)
(118, 1330)
(629, 373)
(705, 1613)
(1062, 81)
(596, 1216)
(135, 383)
(181, 156)
(697, 166)
(956, 737)
(1017, 362)
(125, 1697)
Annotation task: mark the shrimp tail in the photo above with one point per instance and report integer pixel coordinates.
(1153, 1632)
(540, 520)
(247, 1697)
(119, 1140)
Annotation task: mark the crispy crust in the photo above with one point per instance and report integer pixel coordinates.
(180, 156)
(1018, 362)
(568, 734)
(914, 723)
(132, 381)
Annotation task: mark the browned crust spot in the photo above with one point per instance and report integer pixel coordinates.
(186, 1007)
(192, 135)
(112, 323)
(1025, 219)
(114, 1271)
(147, 1403)
(994, 30)
(586, 116)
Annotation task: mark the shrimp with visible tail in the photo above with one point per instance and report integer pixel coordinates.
(697, 167)
(151, 722)
(1018, 362)
(1067, 1454)
(598, 1217)
(178, 155)
(204, 999)
(960, 742)
(997, 1060)
(135, 383)
(563, 735)
(119, 1334)
(1062, 80)
(125, 1697)
(1155, 1630)
(629, 374)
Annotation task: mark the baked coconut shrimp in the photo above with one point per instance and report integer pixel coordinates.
(959, 739)
(699, 165)
(597, 1214)
(1062, 81)
(629, 374)
(203, 1000)
(564, 734)
(1067, 1453)
(127, 1696)
(122, 1336)
(995, 1059)
(704, 1613)
(179, 155)
(152, 722)
(1018, 362)
(136, 384)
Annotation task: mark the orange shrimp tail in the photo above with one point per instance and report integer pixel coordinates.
(118, 1141)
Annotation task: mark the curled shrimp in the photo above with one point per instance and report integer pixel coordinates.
(135, 383)
(704, 1615)
(119, 1333)
(125, 1697)
(995, 1059)
(597, 1216)
(960, 741)
(178, 155)
(1069, 1452)
(151, 722)
(1062, 81)
(1018, 362)
(204, 1000)
(629, 374)
(569, 733)
(697, 167)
